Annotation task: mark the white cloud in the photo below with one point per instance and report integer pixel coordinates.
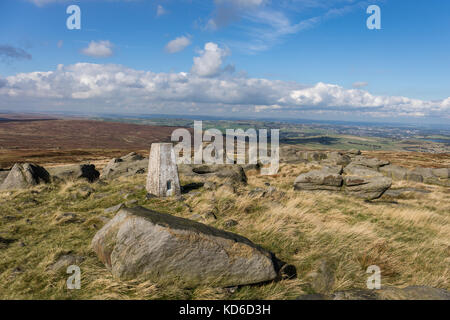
(99, 49)
(160, 10)
(178, 44)
(360, 84)
(118, 88)
(209, 63)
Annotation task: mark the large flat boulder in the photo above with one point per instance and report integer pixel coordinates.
(128, 165)
(324, 179)
(232, 172)
(75, 172)
(369, 187)
(372, 163)
(144, 244)
(24, 175)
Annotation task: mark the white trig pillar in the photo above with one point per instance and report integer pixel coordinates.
(162, 179)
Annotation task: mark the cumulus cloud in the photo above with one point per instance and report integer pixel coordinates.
(117, 88)
(178, 44)
(360, 84)
(209, 63)
(8, 52)
(98, 49)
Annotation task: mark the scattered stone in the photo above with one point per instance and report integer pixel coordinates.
(67, 217)
(322, 279)
(25, 175)
(230, 223)
(210, 186)
(129, 165)
(210, 215)
(75, 172)
(142, 243)
(64, 261)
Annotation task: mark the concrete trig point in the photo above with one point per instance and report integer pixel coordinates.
(162, 179)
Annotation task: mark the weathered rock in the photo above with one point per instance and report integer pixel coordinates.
(234, 173)
(368, 184)
(65, 261)
(369, 162)
(427, 175)
(394, 172)
(396, 193)
(358, 170)
(230, 223)
(322, 279)
(3, 175)
(83, 171)
(318, 180)
(354, 152)
(312, 155)
(140, 243)
(337, 158)
(25, 175)
(414, 176)
(443, 173)
(128, 165)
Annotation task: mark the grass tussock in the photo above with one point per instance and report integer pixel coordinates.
(408, 239)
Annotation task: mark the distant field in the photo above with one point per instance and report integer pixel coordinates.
(68, 141)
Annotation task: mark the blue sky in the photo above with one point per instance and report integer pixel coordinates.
(288, 58)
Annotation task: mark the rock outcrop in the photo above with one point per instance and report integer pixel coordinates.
(140, 243)
(75, 172)
(439, 176)
(356, 179)
(3, 175)
(25, 175)
(368, 186)
(325, 179)
(234, 173)
(128, 165)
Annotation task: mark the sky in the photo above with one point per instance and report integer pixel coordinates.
(304, 59)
